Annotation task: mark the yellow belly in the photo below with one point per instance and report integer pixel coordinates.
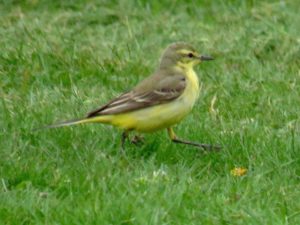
(160, 116)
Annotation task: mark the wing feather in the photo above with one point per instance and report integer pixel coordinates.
(165, 90)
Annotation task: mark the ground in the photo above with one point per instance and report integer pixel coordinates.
(61, 59)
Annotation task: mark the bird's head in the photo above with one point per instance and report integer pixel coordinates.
(182, 55)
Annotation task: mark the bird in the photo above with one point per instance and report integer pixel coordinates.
(158, 102)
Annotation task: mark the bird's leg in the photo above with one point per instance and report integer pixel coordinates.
(123, 140)
(206, 147)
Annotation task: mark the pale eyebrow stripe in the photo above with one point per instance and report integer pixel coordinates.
(183, 51)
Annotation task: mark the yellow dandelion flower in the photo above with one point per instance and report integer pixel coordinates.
(238, 171)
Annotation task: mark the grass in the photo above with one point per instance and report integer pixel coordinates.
(59, 60)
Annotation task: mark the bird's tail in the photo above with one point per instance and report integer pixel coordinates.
(73, 122)
(62, 124)
(66, 123)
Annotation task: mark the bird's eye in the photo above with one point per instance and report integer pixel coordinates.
(190, 55)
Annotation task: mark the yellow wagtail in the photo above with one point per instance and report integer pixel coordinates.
(159, 101)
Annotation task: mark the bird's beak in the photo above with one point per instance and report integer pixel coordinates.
(205, 58)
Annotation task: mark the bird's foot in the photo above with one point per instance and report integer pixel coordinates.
(137, 140)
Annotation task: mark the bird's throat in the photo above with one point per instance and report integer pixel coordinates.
(192, 86)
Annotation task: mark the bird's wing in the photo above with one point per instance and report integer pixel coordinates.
(160, 90)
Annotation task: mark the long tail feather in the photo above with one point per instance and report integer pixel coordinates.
(63, 124)
(96, 119)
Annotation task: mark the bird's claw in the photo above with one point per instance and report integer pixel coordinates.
(137, 140)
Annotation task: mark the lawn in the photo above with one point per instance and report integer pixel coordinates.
(61, 59)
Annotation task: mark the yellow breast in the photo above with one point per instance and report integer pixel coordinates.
(191, 92)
